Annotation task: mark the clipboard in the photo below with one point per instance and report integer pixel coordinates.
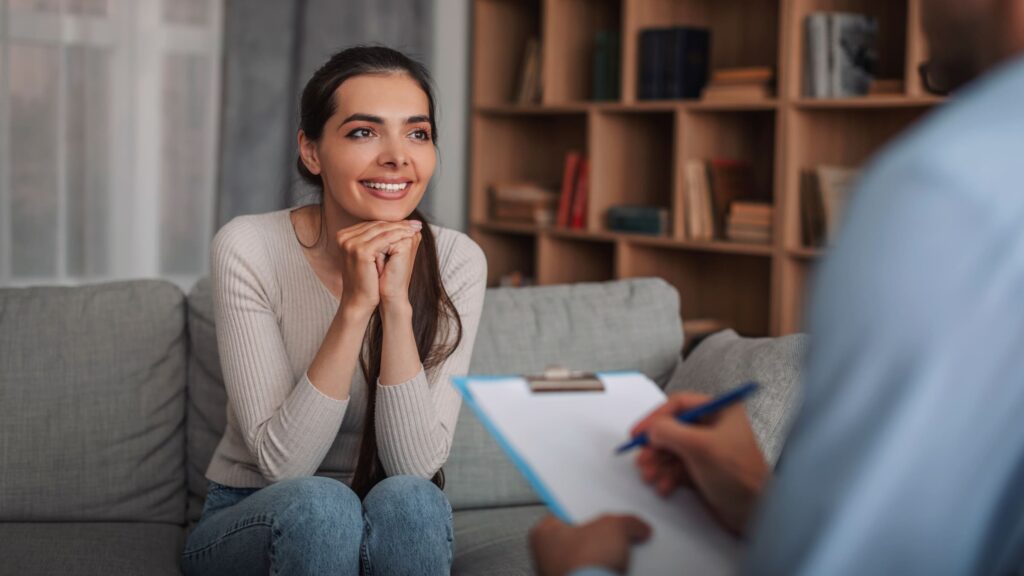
(562, 441)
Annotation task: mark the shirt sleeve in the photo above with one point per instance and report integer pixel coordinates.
(416, 419)
(896, 462)
(287, 425)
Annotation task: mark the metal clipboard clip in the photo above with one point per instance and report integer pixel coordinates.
(561, 379)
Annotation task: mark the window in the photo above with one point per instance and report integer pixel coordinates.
(109, 115)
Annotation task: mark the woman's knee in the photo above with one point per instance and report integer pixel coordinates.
(316, 504)
(410, 498)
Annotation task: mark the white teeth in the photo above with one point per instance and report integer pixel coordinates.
(386, 187)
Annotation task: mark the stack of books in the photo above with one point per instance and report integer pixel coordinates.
(750, 222)
(732, 84)
(525, 202)
(711, 187)
(673, 63)
(841, 54)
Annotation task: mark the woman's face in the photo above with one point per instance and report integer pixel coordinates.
(376, 154)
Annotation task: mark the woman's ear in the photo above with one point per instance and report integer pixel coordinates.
(308, 153)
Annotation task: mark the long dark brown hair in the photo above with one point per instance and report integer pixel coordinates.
(435, 321)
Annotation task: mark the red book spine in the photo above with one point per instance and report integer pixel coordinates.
(579, 198)
(565, 202)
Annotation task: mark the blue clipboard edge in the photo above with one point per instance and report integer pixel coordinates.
(462, 384)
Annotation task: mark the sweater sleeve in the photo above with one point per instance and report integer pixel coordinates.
(416, 419)
(288, 426)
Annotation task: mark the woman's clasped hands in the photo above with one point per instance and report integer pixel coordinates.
(377, 262)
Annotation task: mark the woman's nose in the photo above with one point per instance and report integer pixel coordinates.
(393, 154)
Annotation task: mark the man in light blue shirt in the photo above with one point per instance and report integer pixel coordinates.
(907, 456)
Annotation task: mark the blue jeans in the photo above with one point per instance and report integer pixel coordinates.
(316, 525)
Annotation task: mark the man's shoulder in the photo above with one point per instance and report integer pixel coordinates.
(972, 143)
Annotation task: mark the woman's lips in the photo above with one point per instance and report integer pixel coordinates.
(384, 194)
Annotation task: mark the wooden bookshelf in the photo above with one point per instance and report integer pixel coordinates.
(637, 148)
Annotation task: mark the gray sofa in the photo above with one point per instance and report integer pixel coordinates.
(111, 403)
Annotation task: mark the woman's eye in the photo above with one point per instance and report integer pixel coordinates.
(360, 133)
(421, 135)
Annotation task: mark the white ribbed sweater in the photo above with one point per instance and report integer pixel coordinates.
(272, 313)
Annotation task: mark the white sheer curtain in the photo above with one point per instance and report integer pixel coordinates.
(109, 114)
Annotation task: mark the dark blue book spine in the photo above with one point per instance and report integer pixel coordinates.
(688, 73)
(653, 62)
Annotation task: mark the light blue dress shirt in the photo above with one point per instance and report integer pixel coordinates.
(907, 456)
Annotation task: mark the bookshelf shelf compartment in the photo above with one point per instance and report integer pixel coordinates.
(501, 31)
(756, 23)
(892, 36)
(561, 260)
(570, 29)
(507, 254)
(506, 151)
(631, 162)
(731, 288)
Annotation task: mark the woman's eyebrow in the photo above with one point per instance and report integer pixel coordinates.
(363, 118)
(378, 120)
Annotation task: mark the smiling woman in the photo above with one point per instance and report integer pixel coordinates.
(339, 326)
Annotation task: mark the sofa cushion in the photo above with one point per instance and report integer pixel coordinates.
(58, 549)
(620, 325)
(207, 415)
(493, 542)
(92, 403)
(725, 360)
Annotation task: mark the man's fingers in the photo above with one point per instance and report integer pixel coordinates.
(635, 529)
(682, 440)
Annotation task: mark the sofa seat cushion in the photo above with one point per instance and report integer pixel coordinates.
(492, 541)
(725, 360)
(51, 548)
(92, 403)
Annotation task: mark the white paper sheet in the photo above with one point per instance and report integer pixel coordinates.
(567, 440)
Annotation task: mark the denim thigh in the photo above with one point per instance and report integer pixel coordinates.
(309, 525)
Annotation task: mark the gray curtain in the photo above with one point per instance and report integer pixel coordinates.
(271, 47)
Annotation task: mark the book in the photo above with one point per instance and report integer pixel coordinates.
(687, 69)
(578, 219)
(853, 54)
(523, 202)
(638, 219)
(673, 62)
(606, 66)
(812, 215)
(816, 62)
(697, 203)
(653, 59)
(835, 184)
(887, 86)
(752, 209)
(529, 88)
(746, 75)
(737, 92)
(572, 164)
(824, 194)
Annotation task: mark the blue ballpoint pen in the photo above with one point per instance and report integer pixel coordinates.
(695, 414)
